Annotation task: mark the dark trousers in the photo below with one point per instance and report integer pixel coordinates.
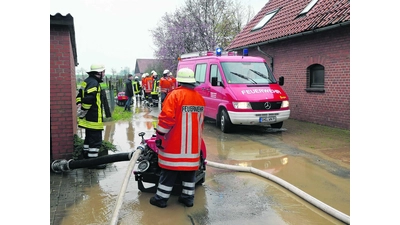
(128, 104)
(93, 138)
(168, 179)
(163, 95)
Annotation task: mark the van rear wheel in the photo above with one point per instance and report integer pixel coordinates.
(225, 122)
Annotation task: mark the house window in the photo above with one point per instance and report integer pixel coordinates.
(316, 78)
(264, 20)
(200, 74)
(308, 7)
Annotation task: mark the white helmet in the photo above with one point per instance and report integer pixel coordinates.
(165, 72)
(185, 75)
(144, 75)
(96, 68)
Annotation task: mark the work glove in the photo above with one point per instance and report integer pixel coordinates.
(81, 113)
(159, 138)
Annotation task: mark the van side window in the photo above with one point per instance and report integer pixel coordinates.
(315, 78)
(200, 74)
(214, 72)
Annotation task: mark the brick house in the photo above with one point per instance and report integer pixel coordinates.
(63, 60)
(308, 43)
(147, 65)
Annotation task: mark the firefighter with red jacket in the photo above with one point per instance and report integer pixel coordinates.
(165, 85)
(178, 136)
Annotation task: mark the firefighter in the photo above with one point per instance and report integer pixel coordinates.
(136, 88)
(148, 86)
(172, 80)
(165, 85)
(178, 138)
(90, 112)
(143, 84)
(128, 92)
(155, 90)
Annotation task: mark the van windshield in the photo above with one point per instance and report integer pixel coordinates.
(247, 73)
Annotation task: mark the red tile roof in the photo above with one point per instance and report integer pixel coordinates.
(286, 21)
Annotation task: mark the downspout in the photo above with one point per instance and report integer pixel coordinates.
(269, 56)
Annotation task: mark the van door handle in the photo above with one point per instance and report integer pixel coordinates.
(207, 89)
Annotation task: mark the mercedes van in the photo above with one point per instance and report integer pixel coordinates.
(238, 90)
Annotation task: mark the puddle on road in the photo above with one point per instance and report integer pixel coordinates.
(223, 194)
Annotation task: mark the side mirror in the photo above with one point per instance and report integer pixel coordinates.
(281, 81)
(214, 81)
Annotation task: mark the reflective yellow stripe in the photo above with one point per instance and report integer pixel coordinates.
(86, 106)
(89, 124)
(78, 99)
(99, 109)
(90, 90)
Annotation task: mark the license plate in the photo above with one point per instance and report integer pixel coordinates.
(267, 119)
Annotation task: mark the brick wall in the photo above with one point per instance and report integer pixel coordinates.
(291, 57)
(62, 93)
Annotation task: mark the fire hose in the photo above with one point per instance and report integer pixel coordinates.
(324, 207)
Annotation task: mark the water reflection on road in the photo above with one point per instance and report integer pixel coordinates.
(226, 197)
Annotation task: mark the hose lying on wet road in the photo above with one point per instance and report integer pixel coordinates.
(324, 207)
(114, 218)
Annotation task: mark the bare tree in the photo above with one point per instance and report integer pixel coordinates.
(113, 71)
(199, 25)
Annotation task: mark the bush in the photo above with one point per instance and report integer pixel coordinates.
(78, 147)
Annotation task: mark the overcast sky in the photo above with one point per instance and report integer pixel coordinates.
(117, 32)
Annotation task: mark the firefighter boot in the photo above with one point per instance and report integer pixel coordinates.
(188, 202)
(159, 202)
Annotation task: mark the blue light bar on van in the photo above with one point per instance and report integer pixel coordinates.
(208, 53)
(218, 51)
(245, 52)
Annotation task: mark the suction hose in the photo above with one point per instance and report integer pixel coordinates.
(326, 208)
(62, 165)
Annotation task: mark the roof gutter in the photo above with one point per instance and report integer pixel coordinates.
(293, 36)
(269, 56)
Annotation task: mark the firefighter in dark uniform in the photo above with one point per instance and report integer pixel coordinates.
(90, 113)
(155, 90)
(137, 88)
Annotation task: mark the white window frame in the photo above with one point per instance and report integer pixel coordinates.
(265, 20)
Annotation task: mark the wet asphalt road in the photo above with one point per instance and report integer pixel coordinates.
(226, 196)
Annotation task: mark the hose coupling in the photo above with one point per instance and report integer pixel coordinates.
(59, 166)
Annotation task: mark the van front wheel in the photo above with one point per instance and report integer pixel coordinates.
(225, 122)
